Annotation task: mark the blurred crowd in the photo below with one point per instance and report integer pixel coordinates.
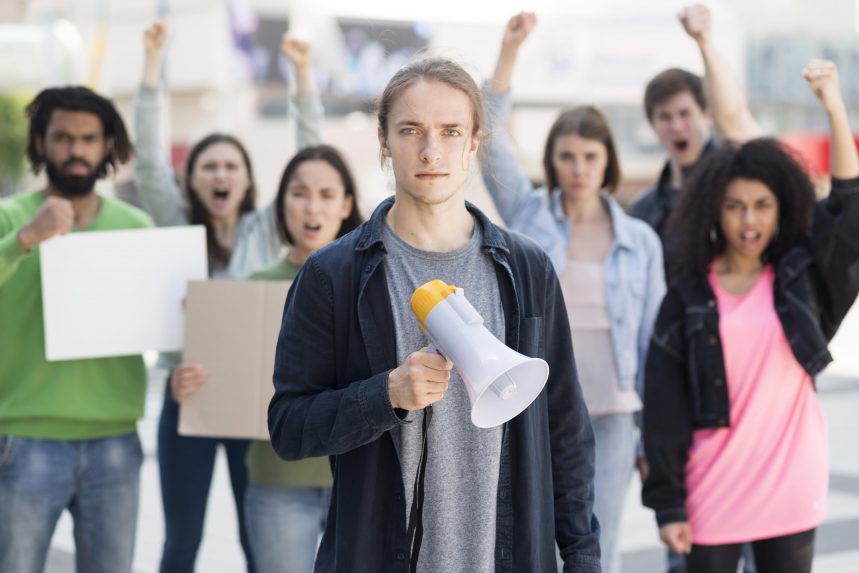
(683, 334)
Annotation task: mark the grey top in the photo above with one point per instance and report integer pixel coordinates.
(463, 460)
(256, 244)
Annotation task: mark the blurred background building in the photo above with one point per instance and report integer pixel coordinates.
(224, 72)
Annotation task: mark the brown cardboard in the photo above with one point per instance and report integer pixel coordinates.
(231, 328)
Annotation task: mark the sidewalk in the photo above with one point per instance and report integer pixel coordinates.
(837, 548)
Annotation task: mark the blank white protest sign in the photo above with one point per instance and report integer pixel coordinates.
(114, 293)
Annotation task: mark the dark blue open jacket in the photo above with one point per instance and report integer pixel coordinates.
(335, 351)
(685, 385)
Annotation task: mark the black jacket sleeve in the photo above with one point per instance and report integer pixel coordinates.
(835, 248)
(667, 413)
(310, 413)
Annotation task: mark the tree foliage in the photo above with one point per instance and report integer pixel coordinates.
(13, 139)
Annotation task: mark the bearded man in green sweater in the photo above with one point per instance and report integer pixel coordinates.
(68, 429)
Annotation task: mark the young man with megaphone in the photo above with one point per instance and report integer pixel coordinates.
(417, 485)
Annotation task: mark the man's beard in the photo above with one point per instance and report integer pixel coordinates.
(72, 185)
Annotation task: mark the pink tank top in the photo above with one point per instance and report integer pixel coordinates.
(766, 475)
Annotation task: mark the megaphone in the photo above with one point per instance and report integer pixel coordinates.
(500, 381)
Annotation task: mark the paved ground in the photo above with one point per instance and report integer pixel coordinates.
(838, 538)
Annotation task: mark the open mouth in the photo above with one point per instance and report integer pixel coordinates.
(313, 227)
(681, 145)
(750, 239)
(219, 199)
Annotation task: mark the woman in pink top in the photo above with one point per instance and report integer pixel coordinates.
(733, 431)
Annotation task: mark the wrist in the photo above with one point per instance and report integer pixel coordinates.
(836, 108)
(391, 398)
(304, 79)
(509, 50)
(25, 239)
(151, 70)
(704, 43)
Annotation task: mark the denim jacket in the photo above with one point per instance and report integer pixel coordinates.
(815, 285)
(335, 352)
(633, 268)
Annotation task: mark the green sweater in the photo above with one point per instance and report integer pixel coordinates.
(264, 465)
(70, 399)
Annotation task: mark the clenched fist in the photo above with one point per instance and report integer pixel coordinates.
(300, 53)
(677, 536)
(55, 216)
(518, 28)
(822, 78)
(155, 37)
(420, 380)
(696, 21)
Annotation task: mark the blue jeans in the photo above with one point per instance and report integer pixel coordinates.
(284, 525)
(186, 465)
(96, 480)
(615, 462)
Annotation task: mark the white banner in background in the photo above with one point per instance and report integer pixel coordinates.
(114, 293)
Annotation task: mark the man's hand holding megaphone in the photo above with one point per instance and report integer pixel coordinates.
(500, 382)
(421, 380)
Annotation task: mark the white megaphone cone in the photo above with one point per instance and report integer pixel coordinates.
(500, 381)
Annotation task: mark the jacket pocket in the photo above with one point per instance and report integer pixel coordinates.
(531, 341)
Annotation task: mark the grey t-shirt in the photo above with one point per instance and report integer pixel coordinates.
(463, 460)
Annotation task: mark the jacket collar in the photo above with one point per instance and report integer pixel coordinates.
(619, 219)
(371, 233)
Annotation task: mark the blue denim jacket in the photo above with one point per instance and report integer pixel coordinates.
(633, 268)
(336, 349)
(816, 283)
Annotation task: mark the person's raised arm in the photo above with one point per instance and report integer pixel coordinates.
(822, 78)
(159, 192)
(515, 33)
(309, 112)
(503, 176)
(835, 234)
(154, 41)
(732, 118)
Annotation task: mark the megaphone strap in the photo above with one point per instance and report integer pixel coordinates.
(416, 513)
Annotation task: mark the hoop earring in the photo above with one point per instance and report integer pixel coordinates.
(714, 237)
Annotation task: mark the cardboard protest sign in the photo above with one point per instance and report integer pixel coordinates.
(232, 329)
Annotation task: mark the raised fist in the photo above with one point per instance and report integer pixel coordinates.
(300, 53)
(155, 37)
(822, 78)
(696, 21)
(518, 28)
(55, 216)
